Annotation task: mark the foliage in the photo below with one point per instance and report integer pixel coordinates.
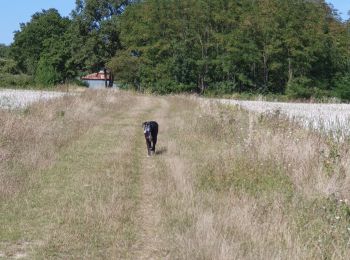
(15, 81)
(127, 68)
(221, 88)
(4, 51)
(46, 75)
(216, 47)
(77, 82)
(8, 66)
(342, 87)
(29, 42)
(262, 47)
(300, 88)
(94, 33)
(168, 86)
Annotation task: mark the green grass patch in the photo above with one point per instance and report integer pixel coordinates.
(16, 81)
(323, 224)
(245, 176)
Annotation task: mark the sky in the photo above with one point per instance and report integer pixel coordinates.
(14, 12)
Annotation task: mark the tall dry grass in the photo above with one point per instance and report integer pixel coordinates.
(245, 186)
(225, 184)
(83, 203)
(31, 138)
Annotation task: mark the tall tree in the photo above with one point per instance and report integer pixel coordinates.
(94, 34)
(4, 51)
(265, 45)
(29, 40)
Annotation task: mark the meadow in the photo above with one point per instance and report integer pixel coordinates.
(226, 182)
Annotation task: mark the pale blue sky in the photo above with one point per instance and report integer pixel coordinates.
(14, 12)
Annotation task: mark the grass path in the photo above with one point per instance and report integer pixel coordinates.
(223, 185)
(95, 202)
(150, 244)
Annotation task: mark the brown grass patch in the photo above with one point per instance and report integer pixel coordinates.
(30, 139)
(225, 183)
(250, 186)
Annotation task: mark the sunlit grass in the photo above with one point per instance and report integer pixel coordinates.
(226, 183)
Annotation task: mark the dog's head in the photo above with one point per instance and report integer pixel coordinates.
(147, 130)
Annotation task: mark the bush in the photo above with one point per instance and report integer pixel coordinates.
(8, 66)
(300, 87)
(77, 82)
(221, 88)
(126, 68)
(46, 75)
(165, 86)
(342, 87)
(15, 81)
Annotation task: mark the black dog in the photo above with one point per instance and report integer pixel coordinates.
(150, 129)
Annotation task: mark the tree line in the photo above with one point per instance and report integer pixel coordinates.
(295, 47)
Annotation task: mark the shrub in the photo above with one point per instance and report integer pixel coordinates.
(126, 67)
(46, 75)
(221, 88)
(300, 88)
(15, 81)
(166, 86)
(342, 87)
(8, 66)
(77, 82)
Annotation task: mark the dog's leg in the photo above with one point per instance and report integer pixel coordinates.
(149, 146)
(154, 144)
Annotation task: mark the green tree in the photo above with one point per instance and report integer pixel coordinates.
(4, 51)
(46, 74)
(94, 33)
(127, 68)
(29, 41)
(265, 45)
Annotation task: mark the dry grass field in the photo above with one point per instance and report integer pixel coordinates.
(76, 182)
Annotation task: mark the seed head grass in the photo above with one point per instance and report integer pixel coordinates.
(226, 183)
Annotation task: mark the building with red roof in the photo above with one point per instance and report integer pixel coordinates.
(101, 79)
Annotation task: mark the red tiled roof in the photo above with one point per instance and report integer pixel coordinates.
(96, 76)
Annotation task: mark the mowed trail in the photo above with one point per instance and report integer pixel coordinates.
(222, 185)
(150, 244)
(100, 200)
